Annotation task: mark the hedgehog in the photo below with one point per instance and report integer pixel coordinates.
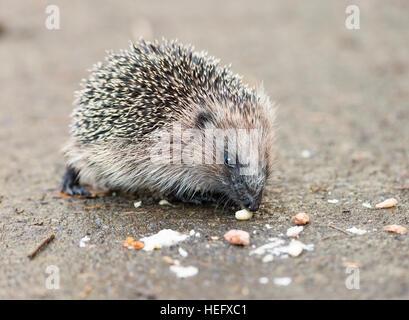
(162, 117)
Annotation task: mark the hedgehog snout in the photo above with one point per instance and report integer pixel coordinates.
(252, 203)
(247, 198)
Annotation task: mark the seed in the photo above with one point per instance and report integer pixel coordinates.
(388, 203)
(243, 215)
(165, 203)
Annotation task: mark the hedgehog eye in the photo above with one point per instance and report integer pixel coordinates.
(228, 162)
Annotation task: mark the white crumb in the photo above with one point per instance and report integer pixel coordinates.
(183, 252)
(285, 281)
(355, 230)
(367, 205)
(306, 154)
(164, 238)
(294, 231)
(295, 248)
(243, 214)
(263, 280)
(184, 272)
(83, 241)
(278, 248)
(268, 258)
(333, 201)
(165, 203)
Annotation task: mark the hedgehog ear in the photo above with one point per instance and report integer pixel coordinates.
(202, 118)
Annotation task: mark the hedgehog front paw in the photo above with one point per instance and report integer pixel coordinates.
(70, 184)
(199, 199)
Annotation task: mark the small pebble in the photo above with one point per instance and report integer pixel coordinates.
(395, 228)
(137, 204)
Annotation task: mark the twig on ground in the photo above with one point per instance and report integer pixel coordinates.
(3, 227)
(401, 188)
(41, 246)
(338, 229)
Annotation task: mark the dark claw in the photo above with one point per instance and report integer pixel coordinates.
(80, 190)
(70, 184)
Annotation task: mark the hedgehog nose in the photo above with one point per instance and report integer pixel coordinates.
(253, 206)
(252, 203)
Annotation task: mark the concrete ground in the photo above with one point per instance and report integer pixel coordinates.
(343, 134)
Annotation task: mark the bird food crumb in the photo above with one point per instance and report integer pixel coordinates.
(367, 205)
(164, 238)
(183, 252)
(130, 243)
(355, 230)
(294, 231)
(301, 218)
(184, 272)
(352, 264)
(243, 214)
(395, 228)
(263, 280)
(388, 203)
(165, 203)
(238, 237)
(168, 259)
(268, 258)
(295, 248)
(83, 241)
(285, 281)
